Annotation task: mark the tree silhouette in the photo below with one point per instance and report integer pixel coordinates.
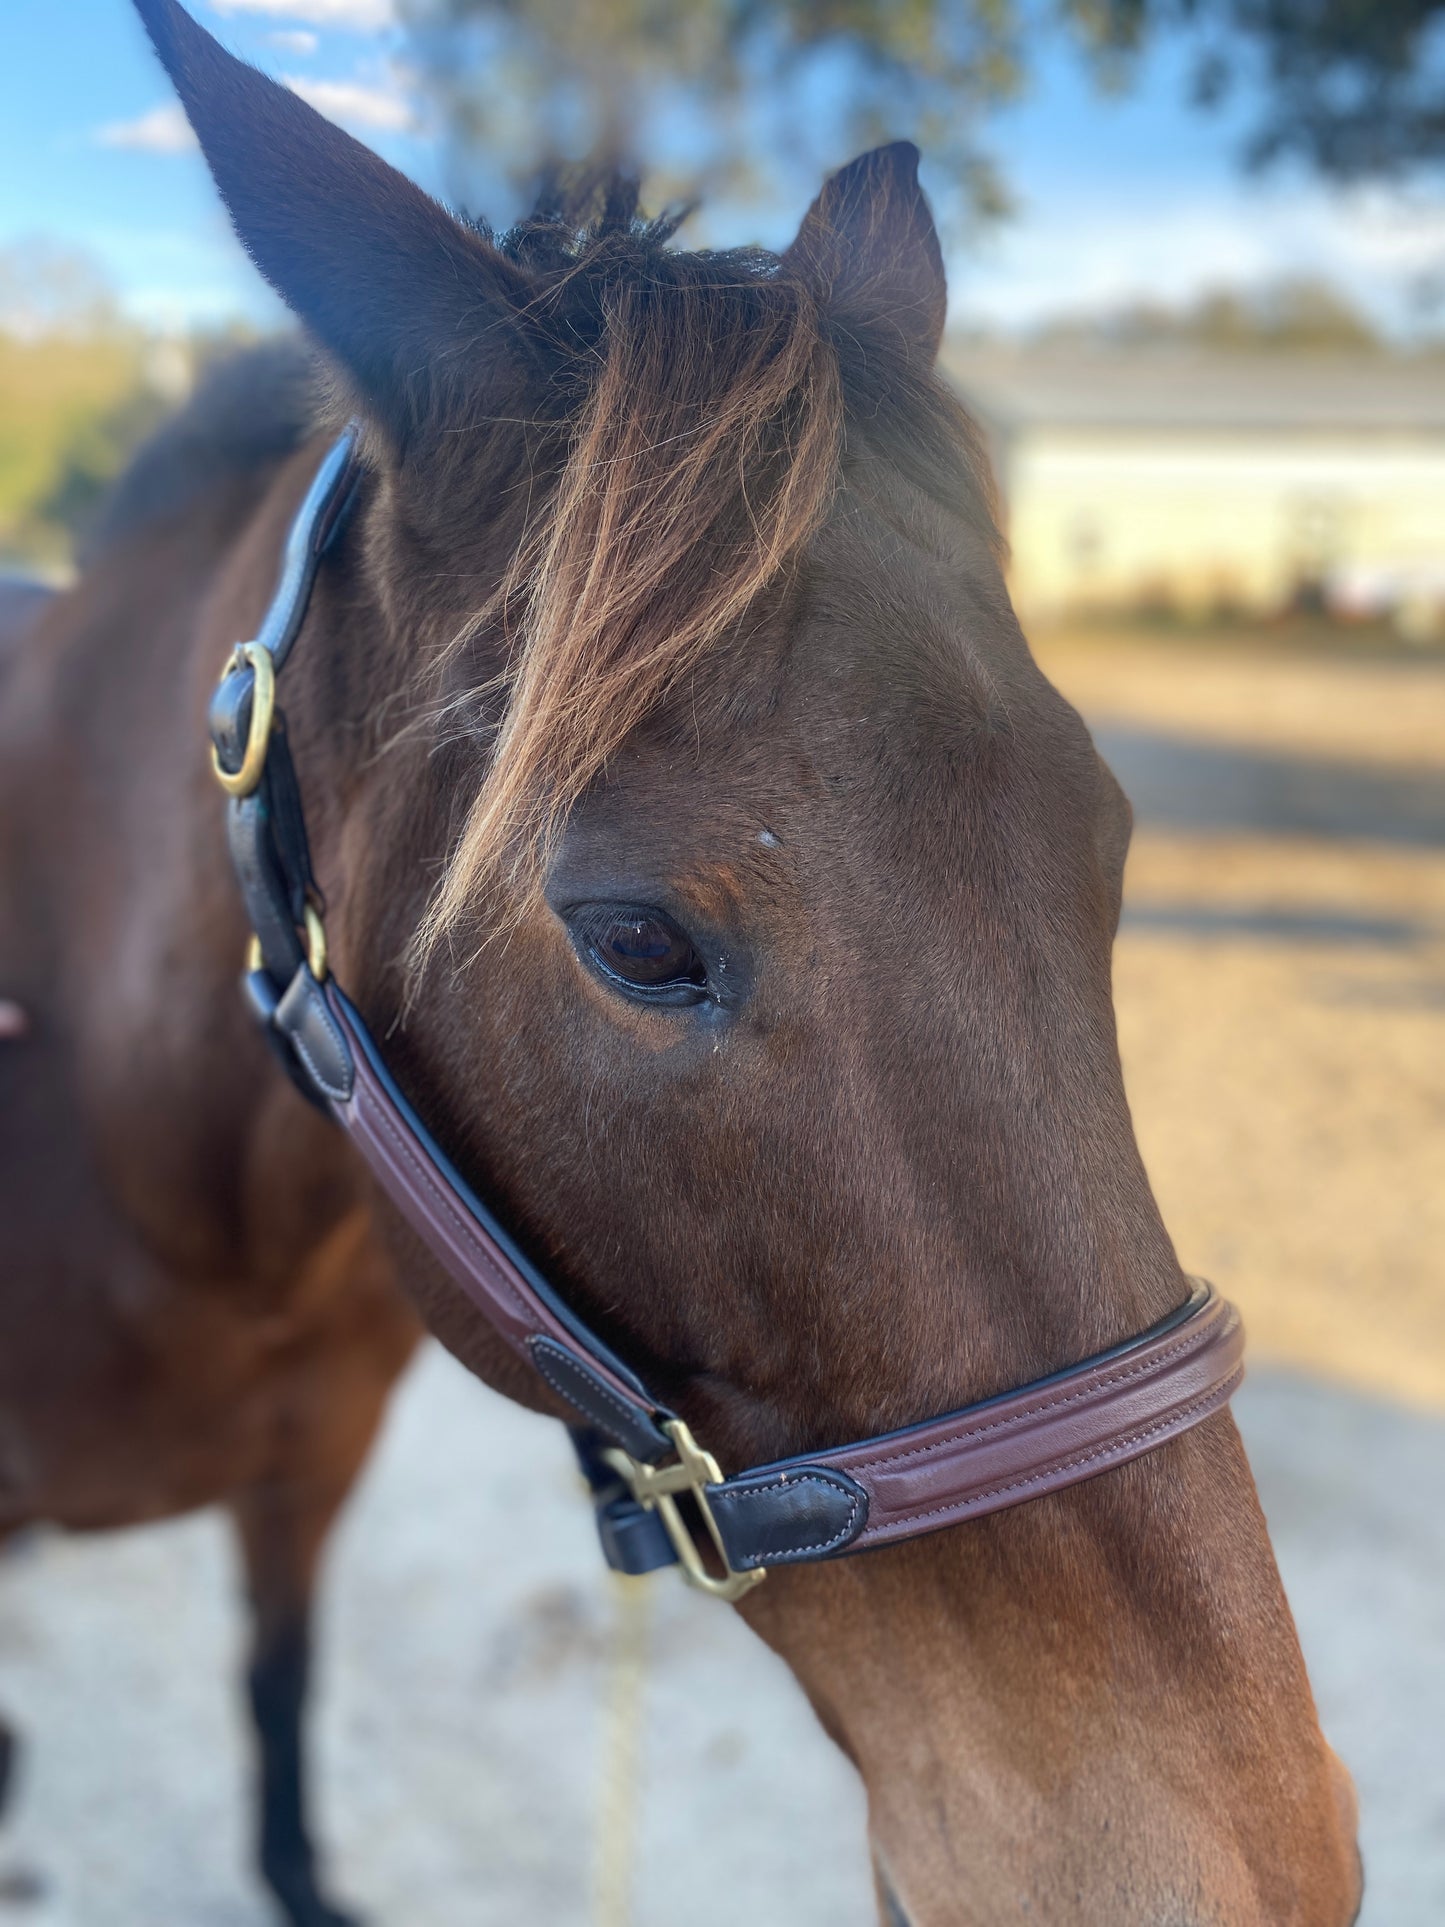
(731, 93)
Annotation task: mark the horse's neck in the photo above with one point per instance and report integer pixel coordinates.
(134, 933)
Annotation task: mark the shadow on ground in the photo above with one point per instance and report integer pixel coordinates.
(1178, 782)
(463, 1758)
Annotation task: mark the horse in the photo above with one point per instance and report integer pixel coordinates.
(165, 1344)
(734, 899)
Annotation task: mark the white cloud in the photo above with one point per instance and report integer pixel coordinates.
(383, 108)
(360, 16)
(1074, 256)
(164, 130)
(295, 40)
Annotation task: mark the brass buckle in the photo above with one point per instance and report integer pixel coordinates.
(263, 714)
(660, 1487)
(315, 946)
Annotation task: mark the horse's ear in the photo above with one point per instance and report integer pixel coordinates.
(869, 248)
(384, 277)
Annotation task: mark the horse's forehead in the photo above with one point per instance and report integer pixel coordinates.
(895, 653)
(904, 610)
(860, 710)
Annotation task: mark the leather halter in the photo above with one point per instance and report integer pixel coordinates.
(639, 1457)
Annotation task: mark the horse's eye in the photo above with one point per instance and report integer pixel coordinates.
(642, 950)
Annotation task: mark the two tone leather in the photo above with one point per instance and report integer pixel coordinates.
(1043, 1438)
(473, 1248)
(986, 1457)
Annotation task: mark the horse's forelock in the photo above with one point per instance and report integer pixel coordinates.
(704, 455)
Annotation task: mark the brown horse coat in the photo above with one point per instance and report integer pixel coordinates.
(672, 598)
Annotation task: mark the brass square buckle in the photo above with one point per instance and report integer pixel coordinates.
(659, 1489)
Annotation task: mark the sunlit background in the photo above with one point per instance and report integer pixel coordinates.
(1198, 302)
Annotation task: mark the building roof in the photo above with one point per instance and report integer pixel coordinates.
(1013, 388)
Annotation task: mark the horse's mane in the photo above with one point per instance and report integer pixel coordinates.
(707, 408)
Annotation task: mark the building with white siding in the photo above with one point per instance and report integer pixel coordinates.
(1170, 478)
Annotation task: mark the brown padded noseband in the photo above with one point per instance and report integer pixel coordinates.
(640, 1457)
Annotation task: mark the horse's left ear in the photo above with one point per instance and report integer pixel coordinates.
(399, 292)
(869, 248)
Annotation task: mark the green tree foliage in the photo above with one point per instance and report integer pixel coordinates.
(1298, 315)
(726, 94)
(1352, 87)
(735, 90)
(79, 387)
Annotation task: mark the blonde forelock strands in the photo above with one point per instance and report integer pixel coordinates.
(704, 457)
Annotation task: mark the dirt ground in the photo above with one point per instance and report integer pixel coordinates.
(1281, 989)
(1281, 984)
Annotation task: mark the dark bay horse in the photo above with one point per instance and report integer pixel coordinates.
(735, 900)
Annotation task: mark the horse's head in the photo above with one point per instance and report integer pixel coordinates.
(737, 898)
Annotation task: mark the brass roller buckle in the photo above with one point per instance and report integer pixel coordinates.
(659, 1489)
(263, 715)
(315, 946)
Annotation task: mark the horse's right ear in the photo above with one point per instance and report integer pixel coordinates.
(869, 249)
(386, 279)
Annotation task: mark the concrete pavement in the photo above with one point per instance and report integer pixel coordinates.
(463, 1734)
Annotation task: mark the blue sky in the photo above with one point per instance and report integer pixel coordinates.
(1117, 199)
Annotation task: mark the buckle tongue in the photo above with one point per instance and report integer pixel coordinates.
(660, 1487)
